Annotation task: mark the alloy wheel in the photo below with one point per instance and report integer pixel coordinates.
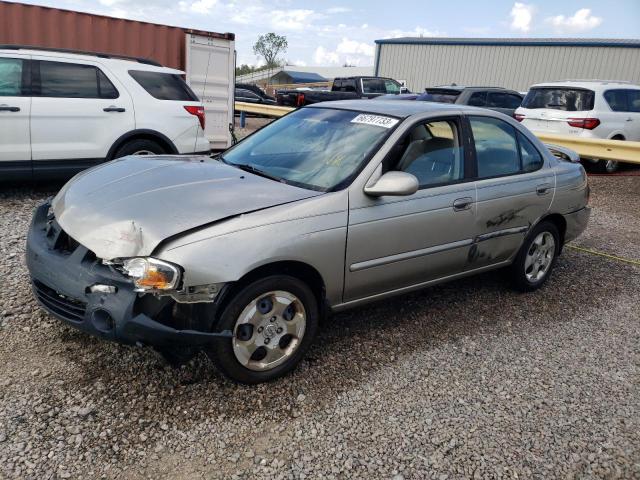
(539, 257)
(269, 330)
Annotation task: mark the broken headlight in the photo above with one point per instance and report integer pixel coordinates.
(151, 274)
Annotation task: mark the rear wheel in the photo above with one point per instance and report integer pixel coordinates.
(536, 257)
(141, 146)
(274, 321)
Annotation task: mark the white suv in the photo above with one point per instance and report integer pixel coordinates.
(590, 109)
(63, 111)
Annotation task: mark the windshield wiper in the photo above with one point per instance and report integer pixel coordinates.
(256, 171)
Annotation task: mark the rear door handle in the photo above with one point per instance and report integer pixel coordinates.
(114, 109)
(461, 204)
(543, 189)
(7, 108)
(629, 120)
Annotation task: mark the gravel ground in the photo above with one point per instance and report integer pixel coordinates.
(466, 380)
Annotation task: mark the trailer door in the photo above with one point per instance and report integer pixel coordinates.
(210, 73)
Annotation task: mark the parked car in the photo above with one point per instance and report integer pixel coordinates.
(494, 98)
(327, 208)
(248, 96)
(589, 109)
(347, 88)
(62, 112)
(255, 89)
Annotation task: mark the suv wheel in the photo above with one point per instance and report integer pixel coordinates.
(140, 147)
(536, 257)
(274, 321)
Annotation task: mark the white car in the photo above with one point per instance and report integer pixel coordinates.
(589, 109)
(63, 111)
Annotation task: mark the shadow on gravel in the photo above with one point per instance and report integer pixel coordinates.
(349, 348)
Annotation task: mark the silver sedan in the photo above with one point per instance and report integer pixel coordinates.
(330, 207)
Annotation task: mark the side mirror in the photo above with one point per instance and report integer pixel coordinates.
(393, 183)
(563, 153)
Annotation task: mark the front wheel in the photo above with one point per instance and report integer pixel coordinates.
(274, 321)
(536, 258)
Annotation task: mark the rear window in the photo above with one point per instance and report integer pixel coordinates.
(567, 99)
(443, 96)
(380, 85)
(164, 86)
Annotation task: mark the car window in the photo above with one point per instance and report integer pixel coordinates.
(496, 147)
(531, 157)
(72, 80)
(164, 86)
(433, 153)
(633, 97)
(559, 98)
(373, 85)
(391, 87)
(443, 96)
(617, 100)
(105, 87)
(478, 99)
(246, 94)
(10, 77)
(503, 100)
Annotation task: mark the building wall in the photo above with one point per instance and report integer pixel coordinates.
(516, 67)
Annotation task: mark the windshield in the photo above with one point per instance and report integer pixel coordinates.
(315, 148)
(568, 99)
(442, 95)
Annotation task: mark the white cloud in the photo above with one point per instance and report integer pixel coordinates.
(300, 63)
(297, 19)
(322, 56)
(416, 32)
(347, 51)
(335, 10)
(203, 6)
(522, 16)
(581, 21)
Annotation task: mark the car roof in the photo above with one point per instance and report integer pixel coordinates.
(588, 84)
(115, 61)
(397, 108)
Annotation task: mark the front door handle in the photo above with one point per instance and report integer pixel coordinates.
(7, 108)
(629, 120)
(543, 189)
(114, 109)
(461, 204)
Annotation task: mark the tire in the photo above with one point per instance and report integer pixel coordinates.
(274, 321)
(608, 166)
(536, 258)
(140, 146)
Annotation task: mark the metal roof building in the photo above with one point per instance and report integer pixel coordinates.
(329, 73)
(515, 63)
(291, 76)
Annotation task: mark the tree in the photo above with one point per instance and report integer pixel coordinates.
(269, 46)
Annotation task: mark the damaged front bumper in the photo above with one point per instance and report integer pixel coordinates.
(76, 287)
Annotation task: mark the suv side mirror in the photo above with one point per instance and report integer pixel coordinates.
(393, 183)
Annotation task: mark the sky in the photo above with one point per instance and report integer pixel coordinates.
(330, 32)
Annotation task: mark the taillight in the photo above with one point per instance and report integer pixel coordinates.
(198, 112)
(518, 116)
(300, 100)
(587, 123)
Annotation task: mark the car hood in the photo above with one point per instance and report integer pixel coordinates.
(127, 207)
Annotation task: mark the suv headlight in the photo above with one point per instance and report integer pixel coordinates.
(151, 274)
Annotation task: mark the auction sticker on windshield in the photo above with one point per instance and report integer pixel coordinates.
(377, 120)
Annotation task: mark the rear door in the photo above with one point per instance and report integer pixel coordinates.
(551, 109)
(633, 119)
(15, 109)
(514, 190)
(79, 110)
(210, 74)
(623, 119)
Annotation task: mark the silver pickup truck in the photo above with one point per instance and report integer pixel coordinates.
(330, 207)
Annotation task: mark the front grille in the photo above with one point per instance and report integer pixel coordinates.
(67, 308)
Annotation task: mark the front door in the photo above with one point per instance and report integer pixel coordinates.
(15, 109)
(514, 190)
(400, 242)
